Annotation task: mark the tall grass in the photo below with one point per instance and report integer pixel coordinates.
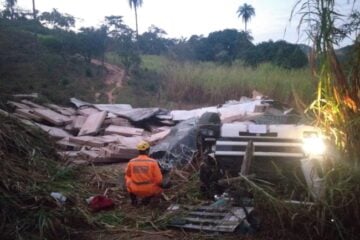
(337, 104)
(215, 84)
(336, 110)
(206, 83)
(29, 173)
(209, 83)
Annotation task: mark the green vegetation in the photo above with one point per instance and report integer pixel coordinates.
(170, 72)
(337, 105)
(33, 59)
(170, 83)
(209, 83)
(336, 110)
(30, 171)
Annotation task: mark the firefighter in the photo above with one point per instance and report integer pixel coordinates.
(143, 176)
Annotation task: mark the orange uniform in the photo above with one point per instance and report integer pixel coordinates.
(143, 177)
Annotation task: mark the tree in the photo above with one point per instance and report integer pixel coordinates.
(135, 4)
(246, 12)
(116, 27)
(92, 42)
(153, 41)
(57, 19)
(9, 7)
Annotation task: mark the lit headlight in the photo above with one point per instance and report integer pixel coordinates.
(313, 144)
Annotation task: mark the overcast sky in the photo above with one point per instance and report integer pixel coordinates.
(183, 18)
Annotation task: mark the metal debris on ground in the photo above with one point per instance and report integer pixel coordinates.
(209, 218)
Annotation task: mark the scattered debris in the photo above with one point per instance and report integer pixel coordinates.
(59, 197)
(125, 131)
(99, 202)
(31, 95)
(92, 123)
(53, 117)
(102, 133)
(4, 113)
(179, 147)
(209, 218)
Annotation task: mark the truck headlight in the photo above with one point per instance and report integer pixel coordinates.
(207, 132)
(313, 143)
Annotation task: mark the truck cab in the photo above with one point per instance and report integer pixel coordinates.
(287, 154)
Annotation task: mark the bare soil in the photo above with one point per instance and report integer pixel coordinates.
(114, 79)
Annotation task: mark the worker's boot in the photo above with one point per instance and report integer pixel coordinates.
(145, 201)
(133, 198)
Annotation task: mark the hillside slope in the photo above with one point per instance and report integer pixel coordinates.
(28, 64)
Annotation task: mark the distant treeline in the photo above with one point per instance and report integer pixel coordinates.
(53, 30)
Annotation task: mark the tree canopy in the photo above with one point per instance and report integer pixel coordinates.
(57, 19)
(246, 12)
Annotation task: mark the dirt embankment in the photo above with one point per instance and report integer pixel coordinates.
(114, 78)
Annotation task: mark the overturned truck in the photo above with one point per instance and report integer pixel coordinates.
(283, 153)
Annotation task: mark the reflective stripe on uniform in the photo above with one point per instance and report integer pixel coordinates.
(142, 160)
(140, 169)
(141, 183)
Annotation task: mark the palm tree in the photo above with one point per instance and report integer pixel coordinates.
(34, 9)
(246, 11)
(136, 4)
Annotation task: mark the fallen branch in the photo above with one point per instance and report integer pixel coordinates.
(180, 175)
(229, 181)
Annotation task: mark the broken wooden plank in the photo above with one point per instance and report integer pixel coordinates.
(117, 121)
(158, 136)
(69, 127)
(4, 113)
(52, 117)
(109, 138)
(92, 123)
(67, 111)
(18, 105)
(32, 104)
(121, 154)
(68, 154)
(157, 129)
(97, 157)
(129, 142)
(88, 141)
(24, 121)
(53, 131)
(124, 131)
(78, 122)
(86, 111)
(31, 95)
(65, 144)
(90, 154)
(28, 114)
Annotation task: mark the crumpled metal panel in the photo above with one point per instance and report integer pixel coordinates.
(179, 147)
